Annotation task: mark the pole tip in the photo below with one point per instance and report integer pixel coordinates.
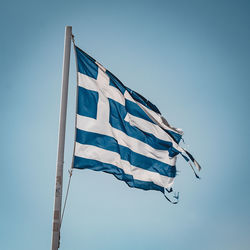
(68, 27)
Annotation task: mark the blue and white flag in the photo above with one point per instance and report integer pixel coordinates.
(120, 132)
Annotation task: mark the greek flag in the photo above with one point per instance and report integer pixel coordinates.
(120, 132)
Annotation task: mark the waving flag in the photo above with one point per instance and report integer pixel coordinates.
(120, 132)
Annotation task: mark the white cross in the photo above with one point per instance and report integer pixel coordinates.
(105, 90)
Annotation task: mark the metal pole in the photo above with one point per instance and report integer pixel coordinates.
(61, 141)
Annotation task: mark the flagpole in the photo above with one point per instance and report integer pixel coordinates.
(61, 141)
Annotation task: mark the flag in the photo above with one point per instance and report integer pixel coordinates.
(120, 132)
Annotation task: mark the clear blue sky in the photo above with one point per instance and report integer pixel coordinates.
(190, 58)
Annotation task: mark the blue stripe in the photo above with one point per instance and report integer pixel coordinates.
(82, 163)
(115, 82)
(139, 98)
(117, 116)
(135, 159)
(87, 102)
(86, 64)
(175, 136)
(136, 110)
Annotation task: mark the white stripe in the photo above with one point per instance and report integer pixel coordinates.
(158, 119)
(154, 129)
(147, 126)
(153, 115)
(92, 125)
(106, 156)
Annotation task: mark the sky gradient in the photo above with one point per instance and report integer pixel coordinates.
(191, 59)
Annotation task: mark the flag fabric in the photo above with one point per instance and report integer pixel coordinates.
(120, 132)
